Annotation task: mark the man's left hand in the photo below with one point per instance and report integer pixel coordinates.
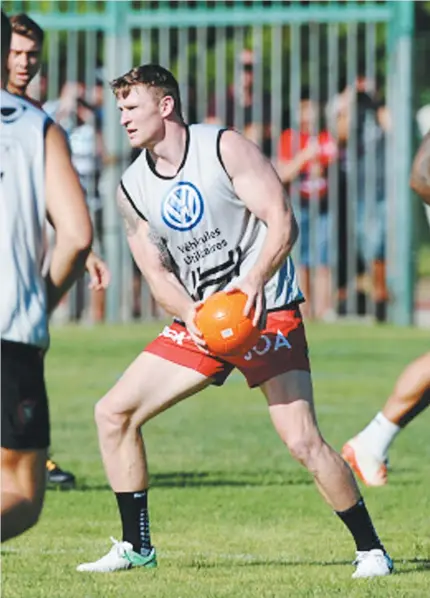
(254, 290)
(98, 271)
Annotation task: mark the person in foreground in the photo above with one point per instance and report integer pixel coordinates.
(38, 182)
(367, 453)
(204, 211)
(24, 63)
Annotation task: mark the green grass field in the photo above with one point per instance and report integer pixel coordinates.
(231, 514)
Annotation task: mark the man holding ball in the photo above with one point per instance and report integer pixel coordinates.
(205, 211)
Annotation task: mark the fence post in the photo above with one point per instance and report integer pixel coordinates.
(117, 61)
(402, 282)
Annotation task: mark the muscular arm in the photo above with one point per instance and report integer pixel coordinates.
(153, 259)
(68, 213)
(420, 176)
(258, 186)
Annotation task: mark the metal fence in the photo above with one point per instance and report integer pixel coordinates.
(283, 73)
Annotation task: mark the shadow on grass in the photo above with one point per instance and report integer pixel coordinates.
(198, 479)
(247, 561)
(421, 565)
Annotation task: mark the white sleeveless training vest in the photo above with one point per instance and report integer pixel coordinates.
(23, 315)
(211, 235)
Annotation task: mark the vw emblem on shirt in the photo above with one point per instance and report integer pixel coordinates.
(183, 207)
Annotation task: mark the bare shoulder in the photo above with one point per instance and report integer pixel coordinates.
(238, 153)
(234, 144)
(56, 138)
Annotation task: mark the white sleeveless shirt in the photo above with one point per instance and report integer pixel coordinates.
(23, 316)
(212, 237)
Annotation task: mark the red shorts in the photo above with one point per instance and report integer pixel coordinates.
(282, 347)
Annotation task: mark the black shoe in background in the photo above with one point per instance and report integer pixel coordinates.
(59, 478)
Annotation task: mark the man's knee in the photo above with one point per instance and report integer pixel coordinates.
(111, 421)
(306, 450)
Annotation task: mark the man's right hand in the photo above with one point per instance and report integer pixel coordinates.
(189, 321)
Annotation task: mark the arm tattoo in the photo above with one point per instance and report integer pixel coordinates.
(420, 177)
(160, 244)
(131, 219)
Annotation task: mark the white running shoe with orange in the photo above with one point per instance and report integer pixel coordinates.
(371, 470)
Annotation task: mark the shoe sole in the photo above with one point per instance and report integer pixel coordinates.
(348, 454)
(152, 565)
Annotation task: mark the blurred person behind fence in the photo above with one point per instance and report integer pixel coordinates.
(82, 123)
(354, 107)
(305, 155)
(242, 94)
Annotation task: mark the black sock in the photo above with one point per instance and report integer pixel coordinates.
(133, 508)
(357, 520)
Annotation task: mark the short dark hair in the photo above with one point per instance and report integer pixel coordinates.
(153, 76)
(6, 34)
(23, 25)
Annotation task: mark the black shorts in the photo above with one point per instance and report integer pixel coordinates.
(24, 402)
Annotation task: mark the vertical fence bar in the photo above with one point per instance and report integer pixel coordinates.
(403, 282)
(294, 93)
(220, 75)
(202, 73)
(117, 62)
(75, 294)
(164, 47)
(368, 205)
(183, 70)
(257, 91)
(239, 117)
(93, 198)
(315, 217)
(276, 73)
(390, 91)
(53, 65)
(352, 174)
(145, 46)
(334, 173)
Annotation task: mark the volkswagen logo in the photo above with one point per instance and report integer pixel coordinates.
(183, 207)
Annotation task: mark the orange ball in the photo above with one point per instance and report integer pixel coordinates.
(225, 329)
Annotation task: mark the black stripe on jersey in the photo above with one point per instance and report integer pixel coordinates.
(48, 122)
(218, 150)
(228, 269)
(224, 278)
(126, 193)
(230, 262)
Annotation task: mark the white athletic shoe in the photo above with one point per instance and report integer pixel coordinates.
(372, 563)
(371, 470)
(121, 556)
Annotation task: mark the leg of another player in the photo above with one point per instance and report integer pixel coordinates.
(409, 389)
(149, 386)
(23, 480)
(368, 451)
(290, 400)
(323, 299)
